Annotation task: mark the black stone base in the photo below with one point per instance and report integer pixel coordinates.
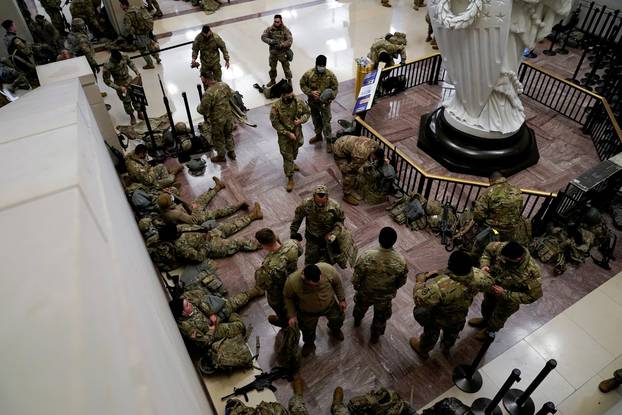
(464, 153)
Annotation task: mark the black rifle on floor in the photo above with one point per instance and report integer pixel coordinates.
(262, 381)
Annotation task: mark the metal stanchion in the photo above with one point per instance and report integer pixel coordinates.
(485, 406)
(466, 377)
(517, 402)
(547, 408)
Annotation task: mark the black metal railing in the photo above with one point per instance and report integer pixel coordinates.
(597, 21)
(605, 133)
(421, 71)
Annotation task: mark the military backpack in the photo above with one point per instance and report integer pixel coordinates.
(227, 354)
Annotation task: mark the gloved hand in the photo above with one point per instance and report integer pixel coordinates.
(296, 236)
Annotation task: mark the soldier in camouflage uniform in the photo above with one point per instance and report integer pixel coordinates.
(351, 152)
(44, 32)
(324, 221)
(287, 116)
(215, 107)
(20, 52)
(282, 260)
(393, 45)
(517, 281)
(84, 9)
(311, 293)
(443, 304)
(320, 86)
(154, 177)
(139, 24)
(296, 405)
(12, 78)
(117, 76)
(210, 45)
(53, 9)
(280, 40)
(79, 44)
(378, 274)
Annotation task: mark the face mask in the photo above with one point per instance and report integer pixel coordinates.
(288, 99)
(320, 69)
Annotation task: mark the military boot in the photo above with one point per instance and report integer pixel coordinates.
(375, 338)
(256, 213)
(308, 348)
(231, 154)
(218, 158)
(271, 83)
(243, 206)
(149, 66)
(477, 322)
(337, 334)
(608, 385)
(481, 335)
(386, 3)
(414, 343)
(254, 292)
(350, 199)
(132, 119)
(337, 396)
(357, 322)
(316, 138)
(219, 184)
(298, 386)
(290, 184)
(276, 321)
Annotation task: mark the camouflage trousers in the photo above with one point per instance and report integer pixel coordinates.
(289, 152)
(126, 99)
(382, 311)
(202, 214)
(275, 58)
(222, 137)
(349, 174)
(274, 295)
(432, 332)
(496, 311)
(307, 322)
(163, 177)
(339, 409)
(297, 406)
(219, 247)
(233, 327)
(213, 66)
(321, 117)
(236, 302)
(147, 45)
(315, 249)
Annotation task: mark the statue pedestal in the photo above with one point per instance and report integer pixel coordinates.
(461, 152)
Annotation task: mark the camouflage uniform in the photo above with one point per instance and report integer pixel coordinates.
(321, 220)
(280, 40)
(21, 55)
(272, 274)
(139, 170)
(44, 32)
(12, 78)
(351, 152)
(198, 246)
(378, 274)
(200, 214)
(210, 47)
(312, 80)
(445, 302)
(382, 401)
(79, 44)
(282, 117)
(308, 304)
(84, 9)
(53, 9)
(296, 406)
(217, 128)
(521, 282)
(139, 23)
(392, 47)
(500, 208)
(118, 71)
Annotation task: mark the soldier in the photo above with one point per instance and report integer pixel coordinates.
(393, 45)
(296, 405)
(196, 243)
(320, 85)
(84, 9)
(79, 44)
(418, 3)
(44, 32)
(430, 38)
(443, 304)
(287, 116)
(20, 52)
(324, 219)
(12, 78)
(153, 5)
(217, 128)
(139, 24)
(309, 294)
(117, 76)
(378, 274)
(210, 45)
(351, 152)
(282, 260)
(53, 9)
(280, 40)
(139, 170)
(517, 281)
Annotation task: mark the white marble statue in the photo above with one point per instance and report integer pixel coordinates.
(482, 43)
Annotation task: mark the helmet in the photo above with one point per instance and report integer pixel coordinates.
(164, 200)
(592, 216)
(78, 24)
(181, 127)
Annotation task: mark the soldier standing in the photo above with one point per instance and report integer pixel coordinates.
(351, 152)
(392, 45)
(311, 293)
(140, 171)
(84, 9)
(282, 260)
(324, 221)
(210, 45)
(53, 9)
(320, 85)
(378, 274)
(44, 32)
(280, 40)
(139, 24)
(20, 52)
(517, 281)
(217, 127)
(287, 116)
(443, 304)
(79, 44)
(117, 76)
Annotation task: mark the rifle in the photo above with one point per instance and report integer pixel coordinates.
(262, 381)
(446, 232)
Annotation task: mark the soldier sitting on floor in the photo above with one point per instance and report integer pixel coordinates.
(139, 170)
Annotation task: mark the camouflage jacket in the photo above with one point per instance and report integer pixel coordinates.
(209, 46)
(379, 273)
(278, 38)
(314, 81)
(215, 106)
(45, 32)
(320, 220)
(138, 21)
(140, 171)
(117, 74)
(276, 266)
(521, 282)
(236, 407)
(500, 206)
(80, 45)
(82, 8)
(383, 45)
(356, 150)
(162, 253)
(192, 246)
(449, 296)
(302, 297)
(282, 116)
(17, 45)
